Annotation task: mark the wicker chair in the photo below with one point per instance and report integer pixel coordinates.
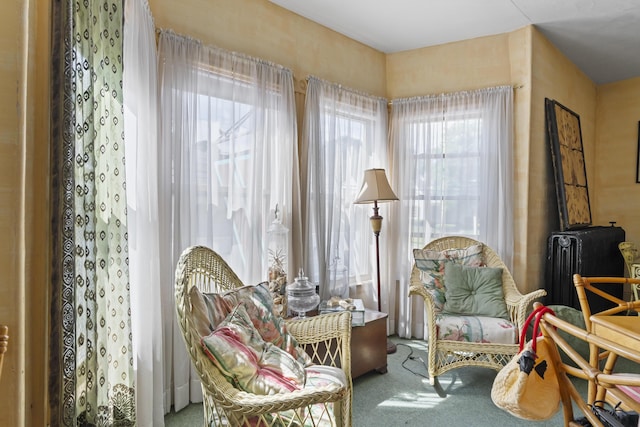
(630, 254)
(226, 405)
(444, 355)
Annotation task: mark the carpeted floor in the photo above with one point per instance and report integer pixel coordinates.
(404, 397)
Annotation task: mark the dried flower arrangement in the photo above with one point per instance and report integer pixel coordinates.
(277, 281)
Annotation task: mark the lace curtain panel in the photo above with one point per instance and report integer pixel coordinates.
(228, 156)
(92, 380)
(344, 133)
(453, 172)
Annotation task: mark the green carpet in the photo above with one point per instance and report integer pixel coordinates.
(404, 397)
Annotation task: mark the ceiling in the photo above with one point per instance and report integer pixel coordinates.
(602, 37)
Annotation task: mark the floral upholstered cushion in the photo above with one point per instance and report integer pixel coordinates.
(474, 291)
(211, 308)
(431, 264)
(329, 377)
(247, 361)
(476, 329)
(207, 310)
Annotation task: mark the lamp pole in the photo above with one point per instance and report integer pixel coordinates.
(375, 187)
(376, 225)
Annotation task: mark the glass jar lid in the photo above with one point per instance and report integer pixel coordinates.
(301, 286)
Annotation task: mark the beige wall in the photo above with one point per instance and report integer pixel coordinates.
(13, 29)
(523, 58)
(24, 28)
(261, 29)
(617, 195)
(553, 76)
(445, 68)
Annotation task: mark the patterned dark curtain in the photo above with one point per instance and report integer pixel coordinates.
(91, 372)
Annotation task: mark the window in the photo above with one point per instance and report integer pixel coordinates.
(349, 139)
(345, 134)
(229, 149)
(452, 170)
(447, 157)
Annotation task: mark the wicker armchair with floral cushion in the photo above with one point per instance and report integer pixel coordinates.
(473, 308)
(256, 368)
(630, 254)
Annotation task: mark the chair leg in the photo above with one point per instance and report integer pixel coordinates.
(437, 387)
(433, 381)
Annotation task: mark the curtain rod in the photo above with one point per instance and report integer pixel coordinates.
(515, 87)
(345, 88)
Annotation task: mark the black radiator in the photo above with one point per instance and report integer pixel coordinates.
(591, 251)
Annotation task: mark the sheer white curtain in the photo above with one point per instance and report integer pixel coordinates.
(228, 156)
(345, 133)
(141, 153)
(453, 172)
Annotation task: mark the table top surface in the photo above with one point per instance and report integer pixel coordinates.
(622, 329)
(371, 315)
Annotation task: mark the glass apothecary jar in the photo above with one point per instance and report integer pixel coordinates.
(302, 296)
(338, 279)
(277, 241)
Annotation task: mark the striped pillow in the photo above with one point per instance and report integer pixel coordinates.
(209, 309)
(247, 361)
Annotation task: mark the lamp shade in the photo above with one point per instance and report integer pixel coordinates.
(375, 188)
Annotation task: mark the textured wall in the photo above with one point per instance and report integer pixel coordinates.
(617, 195)
(10, 155)
(452, 67)
(261, 29)
(553, 76)
(13, 28)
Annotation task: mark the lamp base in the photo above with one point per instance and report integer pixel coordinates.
(391, 347)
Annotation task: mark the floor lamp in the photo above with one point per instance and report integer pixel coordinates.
(375, 188)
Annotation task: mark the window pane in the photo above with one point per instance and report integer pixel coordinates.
(447, 168)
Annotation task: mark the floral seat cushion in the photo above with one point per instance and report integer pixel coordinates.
(476, 329)
(323, 414)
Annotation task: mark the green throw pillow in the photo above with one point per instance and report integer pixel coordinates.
(431, 263)
(474, 291)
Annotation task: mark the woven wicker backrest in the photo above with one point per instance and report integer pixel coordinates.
(445, 354)
(202, 267)
(223, 404)
(511, 294)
